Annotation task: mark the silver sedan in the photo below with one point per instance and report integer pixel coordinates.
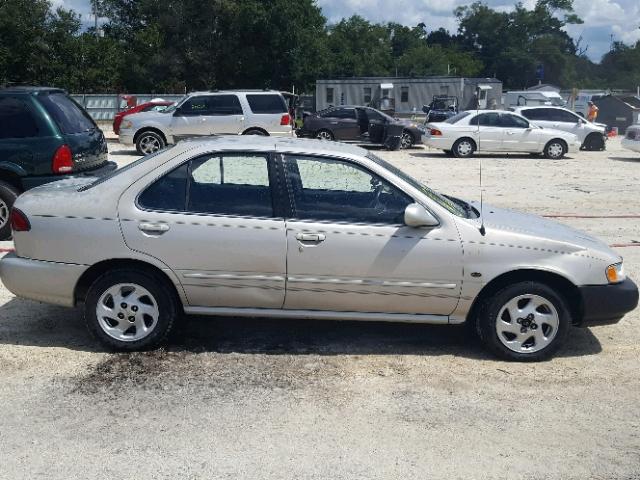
(265, 227)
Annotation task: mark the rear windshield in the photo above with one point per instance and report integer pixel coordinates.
(70, 117)
(457, 117)
(267, 104)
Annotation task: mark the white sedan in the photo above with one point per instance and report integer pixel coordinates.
(497, 131)
(631, 140)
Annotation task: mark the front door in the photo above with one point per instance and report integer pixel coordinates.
(348, 249)
(344, 124)
(518, 134)
(211, 220)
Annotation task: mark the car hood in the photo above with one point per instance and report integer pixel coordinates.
(143, 117)
(534, 231)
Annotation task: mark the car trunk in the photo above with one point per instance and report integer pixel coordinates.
(89, 149)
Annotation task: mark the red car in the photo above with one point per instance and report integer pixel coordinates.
(143, 107)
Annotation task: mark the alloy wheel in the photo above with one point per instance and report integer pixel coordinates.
(555, 150)
(4, 213)
(324, 135)
(149, 144)
(527, 323)
(127, 312)
(465, 148)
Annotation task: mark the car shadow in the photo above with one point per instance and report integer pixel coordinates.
(132, 153)
(626, 159)
(506, 156)
(23, 322)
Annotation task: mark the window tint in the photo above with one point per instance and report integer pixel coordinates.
(16, 120)
(167, 193)
(230, 184)
(339, 191)
(512, 121)
(70, 117)
(375, 115)
(212, 105)
(534, 114)
(564, 116)
(341, 113)
(487, 120)
(457, 117)
(267, 104)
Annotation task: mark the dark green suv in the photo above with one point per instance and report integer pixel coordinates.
(44, 136)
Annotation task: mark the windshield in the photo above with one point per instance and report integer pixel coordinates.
(457, 117)
(457, 207)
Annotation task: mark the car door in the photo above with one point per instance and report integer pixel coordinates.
(348, 249)
(211, 220)
(190, 118)
(225, 115)
(518, 134)
(343, 122)
(569, 122)
(488, 132)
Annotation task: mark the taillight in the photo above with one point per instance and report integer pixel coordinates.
(19, 221)
(62, 160)
(286, 119)
(435, 132)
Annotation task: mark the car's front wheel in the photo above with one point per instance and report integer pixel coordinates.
(407, 140)
(555, 149)
(324, 135)
(527, 321)
(149, 142)
(129, 310)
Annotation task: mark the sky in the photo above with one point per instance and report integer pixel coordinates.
(602, 18)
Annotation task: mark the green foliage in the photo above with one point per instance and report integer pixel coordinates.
(170, 46)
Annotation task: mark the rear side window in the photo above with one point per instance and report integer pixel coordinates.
(533, 114)
(341, 113)
(457, 117)
(70, 117)
(234, 184)
(267, 104)
(225, 105)
(16, 119)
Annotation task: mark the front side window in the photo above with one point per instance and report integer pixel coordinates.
(564, 116)
(70, 117)
(235, 184)
(16, 120)
(339, 191)
(534, 114)
(512, 121)
(487, 120)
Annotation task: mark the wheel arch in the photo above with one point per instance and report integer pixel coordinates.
(12, 174)
(97, 270)
(561, 284)
(258, 129)
(149, 129)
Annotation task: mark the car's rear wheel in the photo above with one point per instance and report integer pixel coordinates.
(149, 142)
(555, 149)
(407, 140)
(464, 147)
(129, 310)
(8, 195)
(527, 321)
(324, 135)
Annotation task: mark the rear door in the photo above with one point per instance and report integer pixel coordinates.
(343, 122)
(225, 115)
(212, 221)
(490, 133)
(79, 131)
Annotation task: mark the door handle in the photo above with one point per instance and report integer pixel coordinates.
(157, 228)
(311, 237)
(333, 123)
(511, 133)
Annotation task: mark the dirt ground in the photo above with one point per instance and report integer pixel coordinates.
(262, 399)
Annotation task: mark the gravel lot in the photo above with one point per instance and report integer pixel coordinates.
(234, 398)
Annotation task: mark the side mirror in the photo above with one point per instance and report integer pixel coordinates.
(415, 215)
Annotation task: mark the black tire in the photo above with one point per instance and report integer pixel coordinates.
(8, 195)
(555, 149)
(165, 300)
(255, 131)
(149, 142)
(324, 134)
(463, 148)
(594, 142)
(407, 140)
(487, 323)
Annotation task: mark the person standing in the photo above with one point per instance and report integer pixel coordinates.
(592, 113)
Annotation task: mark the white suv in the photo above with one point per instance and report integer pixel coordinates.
(591, 135)
(246, 112)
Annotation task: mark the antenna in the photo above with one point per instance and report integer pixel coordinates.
(479, 88)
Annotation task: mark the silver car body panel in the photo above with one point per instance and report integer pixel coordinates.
(225, 265)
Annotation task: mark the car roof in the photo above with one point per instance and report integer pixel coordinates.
(529, 107)
(280, 144)
(213, 92)
(29, 89)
